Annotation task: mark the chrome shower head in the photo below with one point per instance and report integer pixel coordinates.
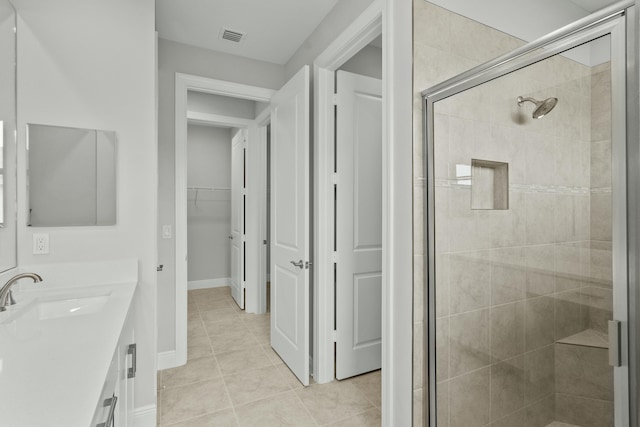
(542, 107)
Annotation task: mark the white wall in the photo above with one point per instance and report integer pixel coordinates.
(367, 62)
(90, 63)
(217, 104)
(208, 218)
(175, 57)
(336, 21)
(8, 255)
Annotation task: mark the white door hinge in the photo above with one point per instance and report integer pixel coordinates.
(334, 178)
(335, 256)
(335, 99)
(334, 336)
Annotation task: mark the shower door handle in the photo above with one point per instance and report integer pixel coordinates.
(614, 343)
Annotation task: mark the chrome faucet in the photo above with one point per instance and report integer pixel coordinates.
(6, 299)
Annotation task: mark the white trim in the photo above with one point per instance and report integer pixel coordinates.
(225, 88)
(397, 257)
(209, 283)
(167, 359)
(361, 32)
(183, 84)
(145, 416)
(260, 251)
(394, 18)
(194, 117)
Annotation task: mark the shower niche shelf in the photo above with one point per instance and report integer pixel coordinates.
(489, 185)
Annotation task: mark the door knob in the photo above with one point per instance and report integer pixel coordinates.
(299, 264)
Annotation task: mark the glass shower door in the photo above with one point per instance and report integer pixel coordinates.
(527, 239)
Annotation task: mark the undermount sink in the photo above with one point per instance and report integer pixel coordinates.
(56, 307)
(70, 307)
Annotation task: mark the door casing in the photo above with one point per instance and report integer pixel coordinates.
(183, 84)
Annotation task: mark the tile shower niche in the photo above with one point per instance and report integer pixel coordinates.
(489, 185)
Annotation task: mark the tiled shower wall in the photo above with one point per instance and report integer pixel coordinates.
(509, 283)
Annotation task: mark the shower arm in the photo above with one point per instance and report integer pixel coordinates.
(521, 100)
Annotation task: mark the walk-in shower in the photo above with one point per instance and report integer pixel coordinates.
(527, 234)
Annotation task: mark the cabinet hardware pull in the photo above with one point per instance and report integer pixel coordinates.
(112, 403)
(132, 350)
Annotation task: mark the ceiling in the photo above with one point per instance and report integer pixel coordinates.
(275, 29)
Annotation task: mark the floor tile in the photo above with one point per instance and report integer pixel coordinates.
(256, 320)
(214, 304)
(183, 403)
(204, 368)
(198, 347)
(219, 315)
(195, 329)
(234, 376)
(334, 401)
(257, 384)
(284, 409)
(273, 356)
(226, 418)
(370, 386)
(370, 418)
(289, 376)
(225, 327)
(251, 357)
(225, 343)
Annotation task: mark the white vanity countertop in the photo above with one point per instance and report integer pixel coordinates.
(52, 371)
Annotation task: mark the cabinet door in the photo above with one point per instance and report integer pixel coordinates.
(109, 390)
(128, 342)
(126, 382)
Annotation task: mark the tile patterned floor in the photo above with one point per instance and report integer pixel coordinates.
(234, 378)
(559, 424)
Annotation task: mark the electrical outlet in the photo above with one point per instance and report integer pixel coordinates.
(166, 231)
(40, 243)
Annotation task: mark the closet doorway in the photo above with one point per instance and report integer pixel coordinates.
(212, 231)
(212, 104)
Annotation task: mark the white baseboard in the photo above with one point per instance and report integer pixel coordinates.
(166, 360)
(209, 283)
(145, 416)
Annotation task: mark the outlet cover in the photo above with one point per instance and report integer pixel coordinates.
(40, 243)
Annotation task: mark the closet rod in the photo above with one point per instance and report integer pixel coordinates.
(209, 188)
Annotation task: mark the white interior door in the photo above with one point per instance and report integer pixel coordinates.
(237, 217)
(358, 224)
(290, 224)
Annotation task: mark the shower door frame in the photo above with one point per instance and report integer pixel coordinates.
(620, 20)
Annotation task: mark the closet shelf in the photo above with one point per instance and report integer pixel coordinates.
(212, 189)
(209, 188)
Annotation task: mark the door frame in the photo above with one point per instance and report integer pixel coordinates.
(183, 84)
(392, 19)
(258, 162)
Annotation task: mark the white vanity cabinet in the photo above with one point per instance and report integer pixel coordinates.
(65, 347)
(115, 406)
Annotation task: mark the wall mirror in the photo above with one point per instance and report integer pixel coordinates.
(8, 249)
(71, 176)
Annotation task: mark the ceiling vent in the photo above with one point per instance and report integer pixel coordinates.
(232, 35)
